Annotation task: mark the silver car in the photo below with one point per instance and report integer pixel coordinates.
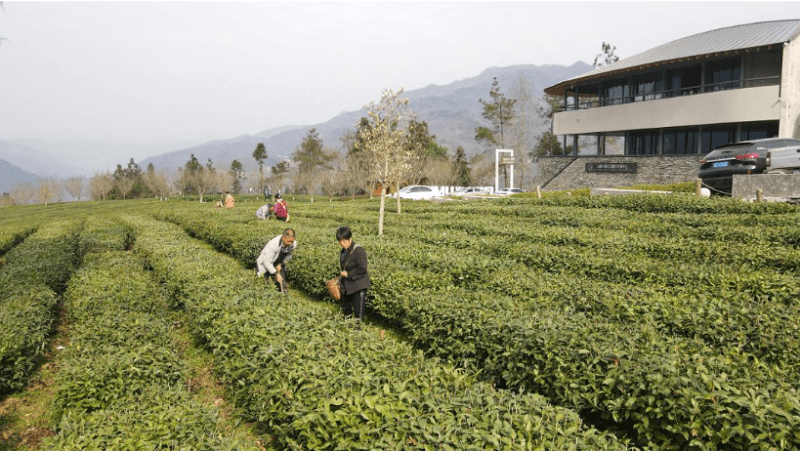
(509, 191)
(416, 192)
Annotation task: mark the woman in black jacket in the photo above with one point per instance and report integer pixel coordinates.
(355, 277)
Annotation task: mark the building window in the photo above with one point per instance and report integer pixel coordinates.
(715, 137)
(759, 130)
(684, 81)
(724, 74)
(642, 143)
(647, 86)
(616, 92)
(679, 142)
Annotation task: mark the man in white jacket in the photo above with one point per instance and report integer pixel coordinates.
(274, 256)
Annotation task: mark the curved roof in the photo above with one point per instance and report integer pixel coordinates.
(735, 38)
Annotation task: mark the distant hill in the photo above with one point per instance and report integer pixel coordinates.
(11, 175)
(452, 112)
(37, 161)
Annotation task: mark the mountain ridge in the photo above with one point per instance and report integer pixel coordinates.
(452, 112)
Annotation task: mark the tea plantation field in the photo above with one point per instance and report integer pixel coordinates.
(602, 323)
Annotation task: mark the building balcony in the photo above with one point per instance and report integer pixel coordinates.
(760, 103)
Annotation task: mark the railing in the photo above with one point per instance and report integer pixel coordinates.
(670, 93)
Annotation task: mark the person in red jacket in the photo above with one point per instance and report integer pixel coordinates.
(281, 209)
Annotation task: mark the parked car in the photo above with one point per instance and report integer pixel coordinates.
(416, 192)
(784, 160)
(470, 190)
(744, 157)
(509, 191)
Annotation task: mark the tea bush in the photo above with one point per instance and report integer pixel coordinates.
(318, 383)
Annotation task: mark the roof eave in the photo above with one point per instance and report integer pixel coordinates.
(558, 89)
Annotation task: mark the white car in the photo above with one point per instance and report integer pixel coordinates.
(470, 190)
(416, 192)
(509, 191)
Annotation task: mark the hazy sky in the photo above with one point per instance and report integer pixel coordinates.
(142, 72)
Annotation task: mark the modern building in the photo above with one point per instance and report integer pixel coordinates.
(673, 104)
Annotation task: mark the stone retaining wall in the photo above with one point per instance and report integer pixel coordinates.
(771, 185)
(560, 173)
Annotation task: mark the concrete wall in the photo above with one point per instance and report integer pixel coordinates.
(790, 91)
(736, 105)
(771, 185)
(561, 173)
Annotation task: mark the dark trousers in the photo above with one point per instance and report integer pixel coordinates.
(355, 303)
(282, 272)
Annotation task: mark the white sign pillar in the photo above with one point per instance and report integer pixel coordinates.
(497, 167)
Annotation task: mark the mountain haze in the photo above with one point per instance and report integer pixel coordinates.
(452, 112)
(11, 175)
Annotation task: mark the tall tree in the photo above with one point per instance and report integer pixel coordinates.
(357, 161)
(606, 56)
(391, 161)
(156, 181)
(279, 173)
(461, 168)
(48, 190)
(191, 172)
(22, 193)
(74, 186)
(123, 181)
(526, 120)
(260, 155)
(499, 112)
(547, 143)
(100, 184)
(420, 138)
(310, 158)
(236, 175)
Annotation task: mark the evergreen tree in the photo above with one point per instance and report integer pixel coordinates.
(419, 138)
(236, 175)
(260, 155)
(499, 112)
(461, 168)
(311, 155)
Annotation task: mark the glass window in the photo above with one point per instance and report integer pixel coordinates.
(715, 137)
(685, 80)
(642, 143)
(616, 92)
(724, 74)
(646, 86)
(679, 142)
(759, 130)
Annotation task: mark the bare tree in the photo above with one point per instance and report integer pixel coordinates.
(356, 174)
(22, 193)
(74, 187)
(439, 171)
(47, 191)
(482, 169)
(390, 159)
(224, 181)
(203, 181)
(124, 184)
(179, 181)
(522, 129)
(156, 181)
(333, 181)
(100, 184)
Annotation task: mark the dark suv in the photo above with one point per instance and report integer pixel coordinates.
(744, 157)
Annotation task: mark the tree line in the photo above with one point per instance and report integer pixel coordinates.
(385, 150)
